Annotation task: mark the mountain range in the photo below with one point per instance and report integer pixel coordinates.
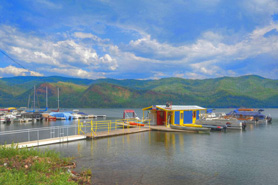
(244, 91)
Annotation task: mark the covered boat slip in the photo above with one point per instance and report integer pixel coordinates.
(179, 115)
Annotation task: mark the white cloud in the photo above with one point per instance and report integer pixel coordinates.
(77, 72)
(64, 53)
(157, 75)
(83, 35)
(266, 7)
(210, 52)
(193, 75)
(11, 70)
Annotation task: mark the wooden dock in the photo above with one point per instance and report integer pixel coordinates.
(49, 141)
(118, 132)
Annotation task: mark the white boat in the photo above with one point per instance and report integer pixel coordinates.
(77, 115)
(196, 129)
(219, 119)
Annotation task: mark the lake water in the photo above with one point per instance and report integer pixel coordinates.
(232, 157)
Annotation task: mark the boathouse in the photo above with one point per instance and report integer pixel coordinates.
(172, 114)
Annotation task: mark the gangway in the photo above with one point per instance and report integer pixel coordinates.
(40, 136)
(108, 128)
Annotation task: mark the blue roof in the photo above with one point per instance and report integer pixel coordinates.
(246, 113)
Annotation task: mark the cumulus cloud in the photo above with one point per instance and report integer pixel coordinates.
(208, 53)
(77, 72)
(12, 70)
(64, 53)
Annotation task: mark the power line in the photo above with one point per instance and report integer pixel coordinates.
(15, 61)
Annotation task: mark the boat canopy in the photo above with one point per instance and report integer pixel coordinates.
(82, 113)
(209, 111)
(44, 110)
(246, 113)
(126, 115)
(65, 115)
(7, 110)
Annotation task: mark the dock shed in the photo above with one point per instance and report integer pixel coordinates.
(172, 114)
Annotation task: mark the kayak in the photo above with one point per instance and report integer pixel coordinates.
(136, 124)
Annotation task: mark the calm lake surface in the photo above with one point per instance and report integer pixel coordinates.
(234, 157)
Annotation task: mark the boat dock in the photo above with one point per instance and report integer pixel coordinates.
(84, 130)
(48, 141)
(116, 133)
(97, 116)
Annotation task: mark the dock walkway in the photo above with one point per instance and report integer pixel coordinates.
(117, 132)
(94, 129)
(49, 141)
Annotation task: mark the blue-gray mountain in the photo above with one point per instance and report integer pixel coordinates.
(244, 91)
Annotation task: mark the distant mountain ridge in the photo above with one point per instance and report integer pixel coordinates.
(244, 91)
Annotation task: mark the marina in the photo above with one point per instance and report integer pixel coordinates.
(184, 150)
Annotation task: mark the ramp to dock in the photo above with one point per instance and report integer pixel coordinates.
(48, 141)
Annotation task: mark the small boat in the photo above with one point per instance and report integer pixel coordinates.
(192, 127)
(130, 114)
(48, 117)
(136, 124)
(214, 127)
(249, 115)
(35, 116)
(219, 121)
(61, 115)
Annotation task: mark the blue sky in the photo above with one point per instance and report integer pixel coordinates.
(139, 39)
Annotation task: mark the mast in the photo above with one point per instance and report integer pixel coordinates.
(28, 102)
(34, 97)
(58, 99)
(46, 99)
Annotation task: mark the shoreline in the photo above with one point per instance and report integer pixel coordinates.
(26, 166)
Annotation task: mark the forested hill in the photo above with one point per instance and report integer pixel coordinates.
(244, 91)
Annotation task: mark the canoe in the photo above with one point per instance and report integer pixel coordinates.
(186, 128)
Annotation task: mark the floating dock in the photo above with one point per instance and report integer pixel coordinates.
(112, 133)
(97, 116)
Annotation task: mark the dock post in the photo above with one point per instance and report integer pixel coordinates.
(92, 128)
(78, 127)
(108, 128)
(85, 128)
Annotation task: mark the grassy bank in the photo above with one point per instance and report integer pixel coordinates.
(30, 166)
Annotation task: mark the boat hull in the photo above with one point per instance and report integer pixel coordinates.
(229, 124)
(186, 128)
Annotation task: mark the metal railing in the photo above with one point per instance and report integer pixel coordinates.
(37, 134)
(92, 127)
